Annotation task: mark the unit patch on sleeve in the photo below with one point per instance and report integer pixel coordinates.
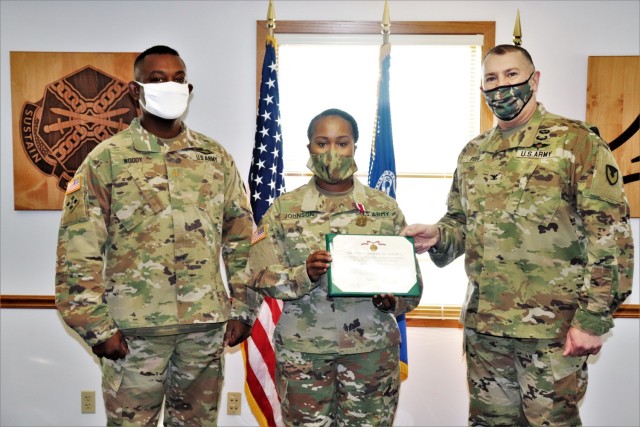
(75, 205)
(612, 174)
(607, 182)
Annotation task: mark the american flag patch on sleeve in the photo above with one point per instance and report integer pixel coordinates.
(73, 185)
(259, 234)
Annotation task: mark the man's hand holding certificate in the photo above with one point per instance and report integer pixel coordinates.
(365, 265)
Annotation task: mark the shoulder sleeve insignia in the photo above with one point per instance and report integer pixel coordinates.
(607, 182)
(259, 234)
(612, 174)
(75, 203)
(74, 185)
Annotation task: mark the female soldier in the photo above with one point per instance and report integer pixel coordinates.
(336, 357)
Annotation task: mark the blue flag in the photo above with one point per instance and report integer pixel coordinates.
(266, 181)
(382, 169)
(382, 164)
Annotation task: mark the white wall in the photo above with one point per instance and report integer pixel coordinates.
(44, 367)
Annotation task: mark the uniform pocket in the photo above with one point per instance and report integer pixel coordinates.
(540, 197)
(563, 366)
(135, 199)
(304, 234)
(112, 375)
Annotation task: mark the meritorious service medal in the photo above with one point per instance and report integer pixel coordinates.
(361, 220)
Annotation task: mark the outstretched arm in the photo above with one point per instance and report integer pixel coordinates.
(425, 236)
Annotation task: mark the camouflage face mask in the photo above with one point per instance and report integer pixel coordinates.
(507, 102)
(332, 167)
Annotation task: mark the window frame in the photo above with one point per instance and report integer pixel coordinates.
(486, 28)
(422, 316)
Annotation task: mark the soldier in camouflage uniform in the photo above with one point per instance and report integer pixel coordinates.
(538, 209)
(145, 220)
(337, 357)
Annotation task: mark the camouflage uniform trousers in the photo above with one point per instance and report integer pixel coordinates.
(359, 389)
(186, 368)
(522, 382)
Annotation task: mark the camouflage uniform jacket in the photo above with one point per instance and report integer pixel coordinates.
(142, 231)
(292, 229)
(543, 221)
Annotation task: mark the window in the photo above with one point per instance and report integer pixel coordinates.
(435, 104)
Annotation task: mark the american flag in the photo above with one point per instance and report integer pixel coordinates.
(266, 182)
(74, 185)
(259, 234)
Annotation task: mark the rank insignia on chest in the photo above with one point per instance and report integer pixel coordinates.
(361, 221)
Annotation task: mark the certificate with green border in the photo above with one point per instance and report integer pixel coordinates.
(366, 265)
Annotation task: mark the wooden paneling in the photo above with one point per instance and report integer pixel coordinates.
(63, 105)
(613, 105)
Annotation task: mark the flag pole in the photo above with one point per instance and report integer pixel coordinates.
(517, 31)
(266, 183)
(382, 165)
(386, 23)
(271, 19)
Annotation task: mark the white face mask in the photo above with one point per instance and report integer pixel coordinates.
(167, 100)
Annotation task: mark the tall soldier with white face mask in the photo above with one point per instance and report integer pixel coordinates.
(167, 100)
(146, 219)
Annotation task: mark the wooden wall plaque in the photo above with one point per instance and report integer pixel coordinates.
(613, 105)
(63, 105)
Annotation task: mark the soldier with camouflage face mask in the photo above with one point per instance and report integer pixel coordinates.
(337, 358)
(538, 209)
(146, 219)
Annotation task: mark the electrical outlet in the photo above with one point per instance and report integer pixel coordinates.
(234, 402)
(87, 402)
